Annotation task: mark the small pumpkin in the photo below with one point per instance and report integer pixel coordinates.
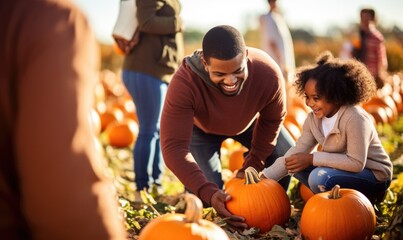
(297, 116)
(236, 159)
(186, 226)
(122, 133)
(262, 202)
(293, 129)
(305, 192)
(338, 214)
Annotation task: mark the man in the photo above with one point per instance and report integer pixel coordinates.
(276, 40)
(371, 50)
(224, 90)
(52, 183)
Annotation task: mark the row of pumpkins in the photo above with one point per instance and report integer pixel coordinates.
(114, 118)
(343, 213)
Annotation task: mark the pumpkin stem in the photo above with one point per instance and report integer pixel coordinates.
(335, 192)
(251, 176)
(194, 208)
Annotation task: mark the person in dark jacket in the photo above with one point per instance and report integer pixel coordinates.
(147, 71)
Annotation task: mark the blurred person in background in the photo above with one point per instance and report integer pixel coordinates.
(276, 40)
(370, 49)
(147, 70)
(52, 181)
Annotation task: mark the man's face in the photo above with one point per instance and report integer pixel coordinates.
(228, 75)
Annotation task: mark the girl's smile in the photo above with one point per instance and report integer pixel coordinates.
(319, 105)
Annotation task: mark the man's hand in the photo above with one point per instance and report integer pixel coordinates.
(218, 203)
(240, 174)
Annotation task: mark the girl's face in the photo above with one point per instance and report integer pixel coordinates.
(319, 105)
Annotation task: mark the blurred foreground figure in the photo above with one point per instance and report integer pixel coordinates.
(51, 178)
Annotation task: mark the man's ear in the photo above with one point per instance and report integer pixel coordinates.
(204, 62)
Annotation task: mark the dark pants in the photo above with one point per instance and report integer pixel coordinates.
(205, 148)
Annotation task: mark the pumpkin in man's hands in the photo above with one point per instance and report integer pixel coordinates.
(262, 202)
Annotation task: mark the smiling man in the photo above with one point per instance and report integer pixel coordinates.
(225, 90)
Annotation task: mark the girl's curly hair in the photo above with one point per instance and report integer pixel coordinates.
(342, 82)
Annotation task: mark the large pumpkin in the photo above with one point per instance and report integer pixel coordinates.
(338, 214)
(186, 226)
(262, 202)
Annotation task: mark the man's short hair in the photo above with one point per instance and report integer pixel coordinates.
(223, 42)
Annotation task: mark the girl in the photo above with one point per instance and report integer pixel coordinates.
(352, 155)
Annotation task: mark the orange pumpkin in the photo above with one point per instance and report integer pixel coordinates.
(387, 103)
(293, 129)
(296, 115)
(305, 192)
(122, 133)
(233, 180)
(109, 116)
(338, 214)
(397, 98)
(262, 202)
(236, 159)
(183, 226)
(378, 113)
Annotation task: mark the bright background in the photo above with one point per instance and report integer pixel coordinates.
(315, 15)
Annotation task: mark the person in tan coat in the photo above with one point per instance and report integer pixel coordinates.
(351, 155)
(52, 183)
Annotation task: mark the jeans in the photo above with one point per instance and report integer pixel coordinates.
(321, 179)
(205, 149)
(148, 94)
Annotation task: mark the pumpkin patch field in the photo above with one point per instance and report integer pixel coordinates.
(273, 212)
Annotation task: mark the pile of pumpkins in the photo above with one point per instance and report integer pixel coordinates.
(336, 214)
(113, 115)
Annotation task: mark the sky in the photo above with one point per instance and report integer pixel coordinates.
(314, 15)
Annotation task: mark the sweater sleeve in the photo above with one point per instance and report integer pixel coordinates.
(305, 144)
(176, 131)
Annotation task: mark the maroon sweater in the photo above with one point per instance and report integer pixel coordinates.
(193, 99)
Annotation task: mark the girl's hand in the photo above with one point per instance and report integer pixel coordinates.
(298, 162)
